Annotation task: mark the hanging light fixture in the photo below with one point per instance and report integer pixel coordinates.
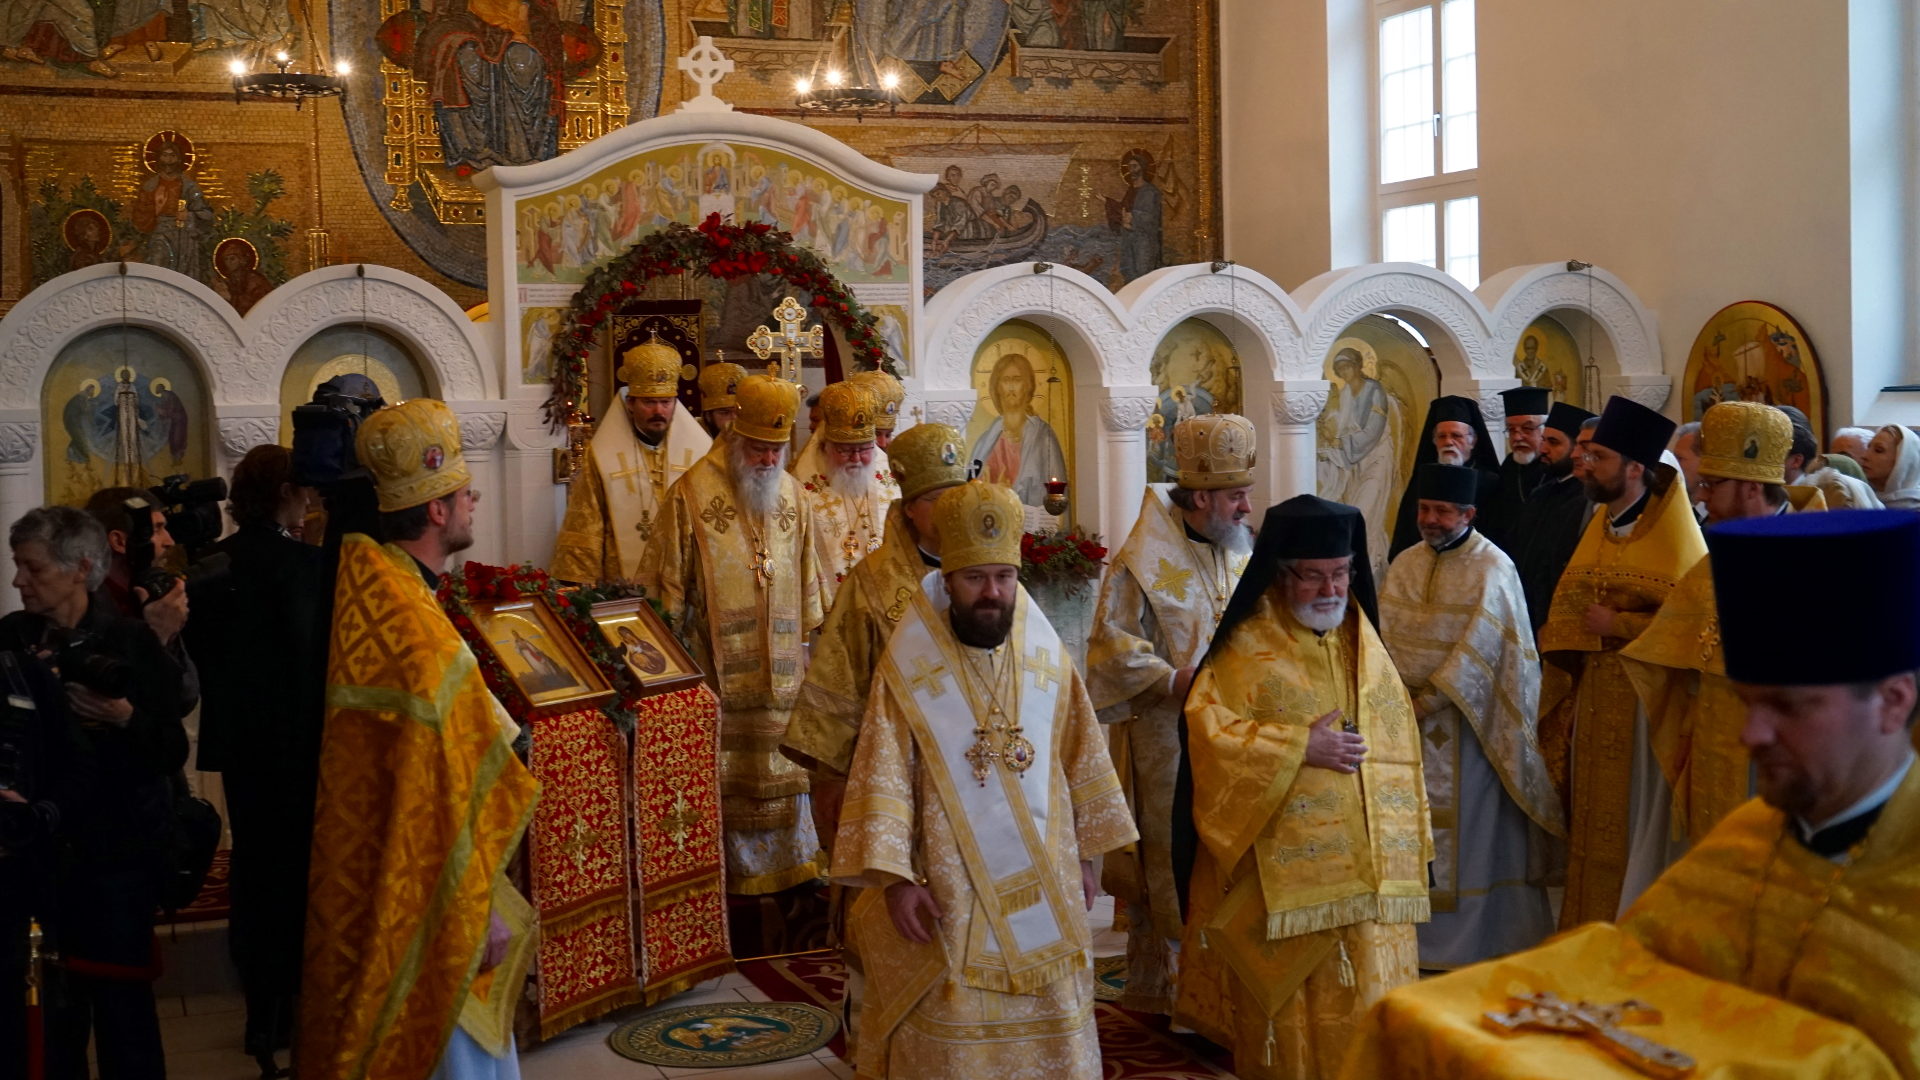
(836, 92)
(285, 84)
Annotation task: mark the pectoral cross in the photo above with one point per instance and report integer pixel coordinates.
(1596, 1022)
(644, 526)
(850, 548)
(1045, 672)
(627, 474)
(792, 343)
(927, 677)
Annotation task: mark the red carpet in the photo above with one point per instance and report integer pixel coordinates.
(215, 900)
(1129, 1048)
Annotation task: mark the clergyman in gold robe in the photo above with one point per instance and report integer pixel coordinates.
(733, 565)
(1453, 614)
(1784, 943)
(1308, 801)
(1640, 542)
(719, 384)
(637, 452)
(1676, 664)
(848, 485)
(1166, 590)
(981, 791)
(888, 397)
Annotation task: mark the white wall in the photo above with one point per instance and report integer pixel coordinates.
(1706, 152)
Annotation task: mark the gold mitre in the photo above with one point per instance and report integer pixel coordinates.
(413, 451)
(979, 525)
(846, 413)
(718, 384)
(888, 397)
(1214, 451)
(1745, 440)
(925, 457)
(767, 408)
(651, 369)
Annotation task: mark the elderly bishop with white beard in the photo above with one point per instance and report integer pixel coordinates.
(1453, 616)
(733, 565)
(844, 477)
(1164, 595)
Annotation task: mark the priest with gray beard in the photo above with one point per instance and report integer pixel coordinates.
(848, 490)
(1522, 470)
(1167, 588)
(1454, 619)
(733, 567)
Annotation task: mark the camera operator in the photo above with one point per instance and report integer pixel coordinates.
(260, 639)
(124, 695)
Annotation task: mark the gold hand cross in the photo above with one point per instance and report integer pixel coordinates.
(792, 343)
(1599, 1023)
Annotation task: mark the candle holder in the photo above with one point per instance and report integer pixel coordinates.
(1056, 501)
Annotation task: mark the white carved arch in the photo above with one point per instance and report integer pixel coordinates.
(1453, 320)
(1089, 322)
(186, 312)
(1268, 334)
(1527, 292)
(445, 341)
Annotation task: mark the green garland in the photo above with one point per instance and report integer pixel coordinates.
(716, 250)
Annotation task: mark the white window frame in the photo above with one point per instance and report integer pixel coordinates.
(1442, 186)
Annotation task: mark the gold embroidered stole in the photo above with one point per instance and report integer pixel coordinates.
(841, 532)
(755, 631)
(1750, 905)
(633, 479)
(1024, 931)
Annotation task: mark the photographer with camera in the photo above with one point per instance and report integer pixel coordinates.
(260, 638)
(124, 692)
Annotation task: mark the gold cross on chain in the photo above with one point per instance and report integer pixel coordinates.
(792, 343)
(1597, 1022)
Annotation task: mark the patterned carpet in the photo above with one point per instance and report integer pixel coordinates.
(1129, 1048)
(215, 900)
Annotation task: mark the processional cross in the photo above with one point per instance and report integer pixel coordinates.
(1598, 1023)
(792, 343)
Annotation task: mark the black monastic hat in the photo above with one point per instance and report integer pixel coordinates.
(1526, 400)
(1461, 410)
(1303, 527)
(1567, 419)
(1868, 605)
(1447, 483)
(1633, 431)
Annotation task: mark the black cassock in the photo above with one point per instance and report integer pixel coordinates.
(1541, 535)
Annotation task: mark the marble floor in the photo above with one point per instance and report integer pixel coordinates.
(200, 1022)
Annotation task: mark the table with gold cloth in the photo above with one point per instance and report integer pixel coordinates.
(1432, 1029)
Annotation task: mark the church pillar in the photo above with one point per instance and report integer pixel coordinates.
(531, 504)
(1492, 408)
(239, 434)
(1288, 458)
(1121, 460)
(479, 436)
(20, 487)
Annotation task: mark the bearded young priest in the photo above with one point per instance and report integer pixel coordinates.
(1454, 620)
(980, 792)
(1167, 588)
(1302, 779)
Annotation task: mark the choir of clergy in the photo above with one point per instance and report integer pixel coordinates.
(1306, 792)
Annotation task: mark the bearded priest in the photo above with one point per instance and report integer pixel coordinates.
(849, 490)
(1169, 584)
(719, 401)
(635, 456)
(733, 565)
(1452, 616)
(981, 791)
(888, 397)
(1302, 774)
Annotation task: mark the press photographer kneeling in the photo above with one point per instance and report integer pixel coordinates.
(126, 695)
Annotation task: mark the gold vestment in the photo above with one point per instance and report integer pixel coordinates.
(846, 531)
(1751, 905)
(704, 566)
(1308, 880)
(1587, 703)
(1159, 604)
(614, 502)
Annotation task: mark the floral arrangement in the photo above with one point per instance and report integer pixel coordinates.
(483, 584)
(1070, 558)
(717, 250)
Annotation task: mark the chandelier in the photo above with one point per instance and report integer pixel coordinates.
(835, 94)
(285, 84)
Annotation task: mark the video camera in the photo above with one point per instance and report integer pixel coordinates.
(323, 430)
(197, 508)
(192, 508)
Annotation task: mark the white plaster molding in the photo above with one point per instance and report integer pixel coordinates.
(18, 441)
(527, 429)
(1073, 305)
(1649, 390)
(1339, 298)
(1298, 403)
(1269, 332)
(954, 412)
(481, 431)
(239, 434)
(46, 320)
(1125, 409)
(448, 344)
(1527, 292)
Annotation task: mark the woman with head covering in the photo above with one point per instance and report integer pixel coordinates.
(1893, 467)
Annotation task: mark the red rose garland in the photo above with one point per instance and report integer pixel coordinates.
(1070, 556)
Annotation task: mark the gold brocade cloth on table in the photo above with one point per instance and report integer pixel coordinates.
(421, 806)
(1158, 607)
(613, 505)
(1308, 881)
(579, 870)
(1004, 989)
(743, 591)
(1587, 703)
(1431, 1030)
(826, 719)
(1750, 905)
(679, 849)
